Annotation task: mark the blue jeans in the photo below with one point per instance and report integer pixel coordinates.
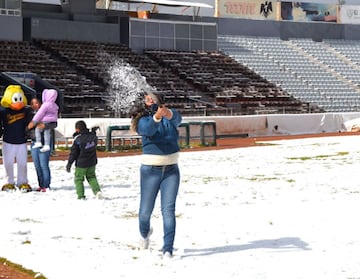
(41, 163)
(153, 179)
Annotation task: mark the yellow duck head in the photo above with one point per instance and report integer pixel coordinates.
(14, 98)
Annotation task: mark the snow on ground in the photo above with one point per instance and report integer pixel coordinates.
(285, 210)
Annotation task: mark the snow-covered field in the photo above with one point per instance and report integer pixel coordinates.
(287, 210)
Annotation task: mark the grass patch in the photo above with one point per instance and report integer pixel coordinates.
(129, 215)
(263, 143)
(262, 178)
(21, 269)
(27, 220)
(208, 179)
(317, 157)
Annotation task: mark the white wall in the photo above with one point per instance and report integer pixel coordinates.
(253, 125)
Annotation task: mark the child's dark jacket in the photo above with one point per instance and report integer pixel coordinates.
(83, 150)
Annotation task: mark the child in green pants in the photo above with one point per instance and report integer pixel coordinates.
(83, 153)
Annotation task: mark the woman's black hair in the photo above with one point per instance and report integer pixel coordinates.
(81, 125)
(138, 110)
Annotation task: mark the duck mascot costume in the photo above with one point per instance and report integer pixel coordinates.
(14, 118)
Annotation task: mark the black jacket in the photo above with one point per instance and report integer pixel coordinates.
(83, 150)
(13, 124)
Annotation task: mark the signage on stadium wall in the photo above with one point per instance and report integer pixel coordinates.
(350, 14)
(250, 9)
(298, 11)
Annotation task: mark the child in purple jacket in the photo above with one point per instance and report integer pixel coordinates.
(47, 114)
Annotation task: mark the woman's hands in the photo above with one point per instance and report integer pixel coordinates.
(32, 125)
(163, 111)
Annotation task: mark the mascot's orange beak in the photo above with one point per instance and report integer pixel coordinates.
(17, 106)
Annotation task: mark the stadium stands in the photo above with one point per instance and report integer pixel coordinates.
(95, 60)
(320, 73)
(249, 75)
(197, 83)
(80, 92)
(227, 83)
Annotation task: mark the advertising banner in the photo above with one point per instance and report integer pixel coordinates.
(298, 11)
(350, 14)
(250, 9)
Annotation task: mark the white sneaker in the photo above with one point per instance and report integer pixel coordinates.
(167, 255)
(144, 242)
(37, 145)
(99, 195)
(45, 148)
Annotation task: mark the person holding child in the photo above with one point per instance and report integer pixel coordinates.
(40, 159)
(47, 114)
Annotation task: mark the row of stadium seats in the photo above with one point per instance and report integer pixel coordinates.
(216, 75)
(194, 82)
(249, 75)
(28, 57)
(322, 73)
